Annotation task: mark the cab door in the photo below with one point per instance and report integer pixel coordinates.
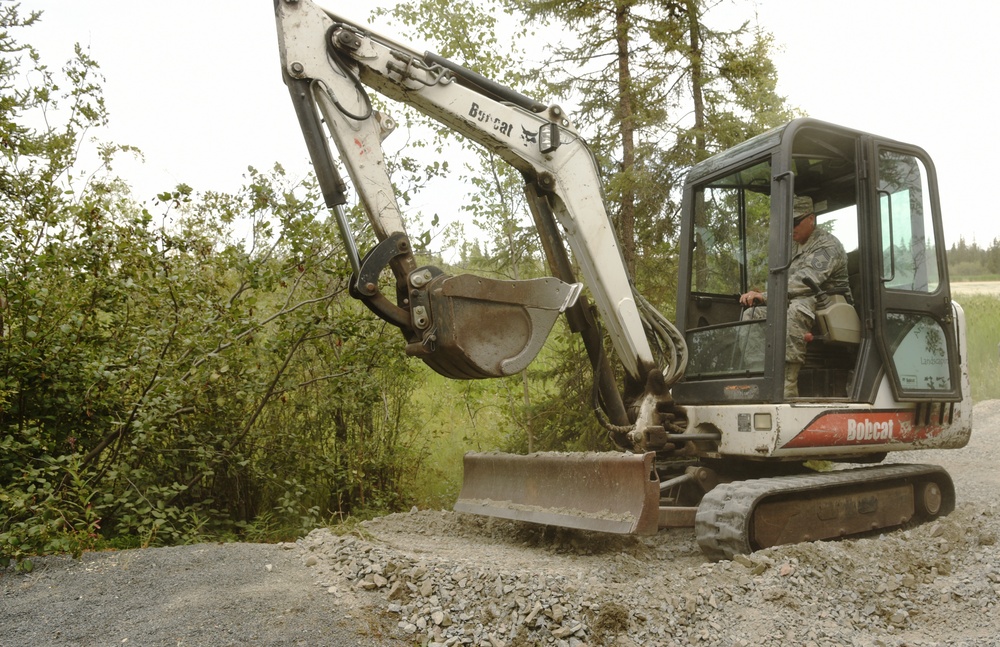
(914, 322)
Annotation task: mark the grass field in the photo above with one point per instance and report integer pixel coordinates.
(982, 313)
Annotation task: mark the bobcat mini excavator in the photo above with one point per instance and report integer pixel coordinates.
(707, 437)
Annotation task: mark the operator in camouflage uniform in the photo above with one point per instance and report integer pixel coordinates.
(818, 255)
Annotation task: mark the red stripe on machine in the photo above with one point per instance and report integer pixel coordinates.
(858, 428)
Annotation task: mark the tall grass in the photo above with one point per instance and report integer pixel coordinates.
(982, 314)
(458, 417)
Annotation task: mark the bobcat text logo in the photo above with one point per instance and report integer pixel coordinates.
(868, 430)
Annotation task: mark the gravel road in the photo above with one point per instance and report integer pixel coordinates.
(206, 594)
(960, 288)
(438, 578)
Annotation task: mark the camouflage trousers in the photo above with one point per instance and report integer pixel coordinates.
(801, 314)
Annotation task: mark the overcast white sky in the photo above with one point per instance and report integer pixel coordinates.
(196, 85)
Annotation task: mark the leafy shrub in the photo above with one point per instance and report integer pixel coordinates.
(163, 378)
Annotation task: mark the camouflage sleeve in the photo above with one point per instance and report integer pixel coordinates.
(818, 263)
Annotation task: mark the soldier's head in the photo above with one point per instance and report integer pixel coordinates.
(803, 219)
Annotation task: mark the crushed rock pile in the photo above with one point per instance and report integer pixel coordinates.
(893, 589)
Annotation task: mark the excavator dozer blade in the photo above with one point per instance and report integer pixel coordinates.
(604, 492)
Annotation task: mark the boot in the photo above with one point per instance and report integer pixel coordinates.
(792, 380)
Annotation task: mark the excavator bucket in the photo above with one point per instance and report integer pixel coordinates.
(604, 492)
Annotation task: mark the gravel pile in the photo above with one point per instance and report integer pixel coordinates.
(448, 579)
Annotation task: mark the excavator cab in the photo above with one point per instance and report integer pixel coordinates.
(879, 198)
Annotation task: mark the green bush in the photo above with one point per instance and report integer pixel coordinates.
(164, 380)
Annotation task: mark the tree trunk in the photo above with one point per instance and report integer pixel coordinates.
(626, 118)
(697, 78)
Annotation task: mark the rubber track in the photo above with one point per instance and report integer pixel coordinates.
(722, 522)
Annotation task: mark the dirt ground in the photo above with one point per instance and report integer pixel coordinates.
(444, 579)
(976, 287)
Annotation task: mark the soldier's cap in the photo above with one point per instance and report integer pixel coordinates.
(802, 207)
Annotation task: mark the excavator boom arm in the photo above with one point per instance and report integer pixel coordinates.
(328, 64)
